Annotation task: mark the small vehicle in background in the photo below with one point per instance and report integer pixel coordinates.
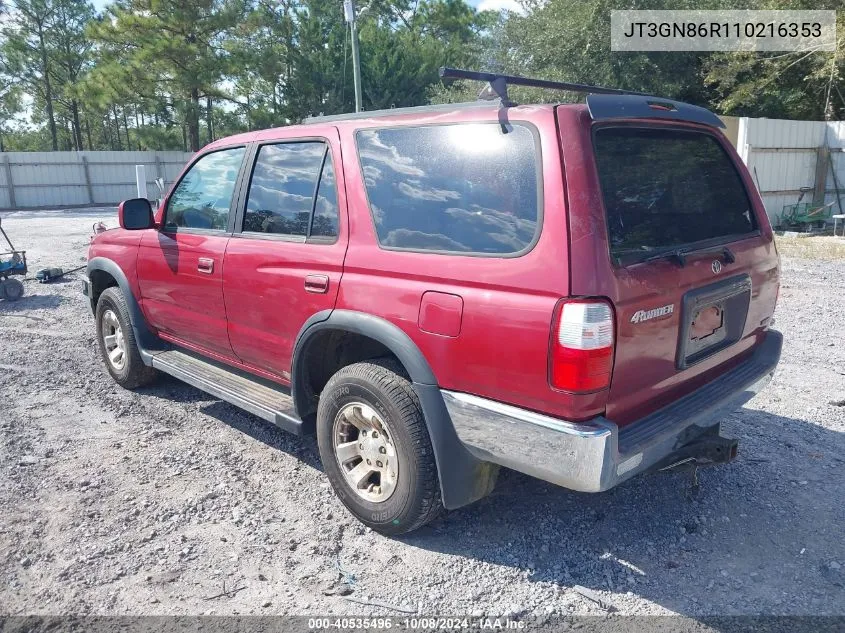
(12, 263)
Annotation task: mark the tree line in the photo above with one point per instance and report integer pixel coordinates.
(176, 74)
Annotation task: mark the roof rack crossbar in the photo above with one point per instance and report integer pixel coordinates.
(515, 80)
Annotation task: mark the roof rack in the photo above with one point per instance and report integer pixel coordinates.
(602, 102)
(498, 84)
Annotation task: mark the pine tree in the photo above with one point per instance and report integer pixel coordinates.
(171, 48)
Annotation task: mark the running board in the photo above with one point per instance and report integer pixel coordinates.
(262, 398)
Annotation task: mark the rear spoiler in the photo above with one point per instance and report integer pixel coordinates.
(604, 106)
(603, 102)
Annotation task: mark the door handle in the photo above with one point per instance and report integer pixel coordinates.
(318, 284)
(205, 265)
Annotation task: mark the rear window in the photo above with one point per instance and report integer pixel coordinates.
(468, 188)
(665, 189)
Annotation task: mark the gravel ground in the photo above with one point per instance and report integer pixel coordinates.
(167, 501)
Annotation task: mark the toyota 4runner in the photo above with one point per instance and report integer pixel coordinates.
(578, 292)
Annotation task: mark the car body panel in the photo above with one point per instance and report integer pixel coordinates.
(491, 337)
(645, 377)
(176, 297)
(508, 302)
(268, 280)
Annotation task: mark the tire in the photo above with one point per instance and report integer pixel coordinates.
(403, 492)
(114, 331)
(12, 289)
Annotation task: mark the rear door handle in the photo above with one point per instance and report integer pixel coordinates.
(318, 284)
(205, 265)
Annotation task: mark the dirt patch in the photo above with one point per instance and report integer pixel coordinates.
(822, 247)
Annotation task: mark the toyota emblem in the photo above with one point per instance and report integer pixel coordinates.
(716, 266)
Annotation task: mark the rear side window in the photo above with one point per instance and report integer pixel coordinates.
(668, 188)
(468, 188)
(291, 183)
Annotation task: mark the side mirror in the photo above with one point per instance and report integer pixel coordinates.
(135, 214)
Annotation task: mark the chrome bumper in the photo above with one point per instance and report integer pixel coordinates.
(596, 455)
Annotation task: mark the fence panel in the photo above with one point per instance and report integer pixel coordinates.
(5, 193)
(50, 179)
(783, 159)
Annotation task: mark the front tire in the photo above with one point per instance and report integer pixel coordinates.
(116, 337)
(375, 447)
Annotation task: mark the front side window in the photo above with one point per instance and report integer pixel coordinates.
(666, 188)
(465, 188)
(204, 195)
(284, 197)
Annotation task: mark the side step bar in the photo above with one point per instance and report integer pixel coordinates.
(262, 398)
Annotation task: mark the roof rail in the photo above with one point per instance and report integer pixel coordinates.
(370, 114)
(498, 83)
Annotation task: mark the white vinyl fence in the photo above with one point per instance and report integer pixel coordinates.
(786, 156)
(49, 179)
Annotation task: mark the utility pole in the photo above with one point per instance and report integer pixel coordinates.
(349, 13)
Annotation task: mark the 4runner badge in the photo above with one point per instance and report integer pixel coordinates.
(646, 315)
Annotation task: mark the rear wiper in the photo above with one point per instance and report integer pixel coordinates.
(724, 251)
(680, 254)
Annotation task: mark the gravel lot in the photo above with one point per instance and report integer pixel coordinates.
(167, 501)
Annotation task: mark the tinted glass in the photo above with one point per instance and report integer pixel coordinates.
(281, 193)
(667, 188)
(203, 197)
(325, 211)
(466, 188)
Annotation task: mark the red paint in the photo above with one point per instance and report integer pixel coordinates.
(175, 296)
(264, 280)
(440, 313)
(483, 323)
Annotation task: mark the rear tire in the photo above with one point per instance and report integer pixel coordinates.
(116, 338)
(368, 411)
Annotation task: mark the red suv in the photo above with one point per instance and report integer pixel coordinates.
(577, 292)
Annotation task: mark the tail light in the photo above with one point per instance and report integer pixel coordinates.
(581, 358)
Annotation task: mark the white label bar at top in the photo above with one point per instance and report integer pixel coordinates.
(802, 31)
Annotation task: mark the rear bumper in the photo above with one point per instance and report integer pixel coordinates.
(597, 455)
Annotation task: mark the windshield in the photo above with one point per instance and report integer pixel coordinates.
(666, 188)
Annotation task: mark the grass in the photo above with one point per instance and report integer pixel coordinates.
(824, 247)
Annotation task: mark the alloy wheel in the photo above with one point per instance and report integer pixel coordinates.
(113, 340)
(364, 449)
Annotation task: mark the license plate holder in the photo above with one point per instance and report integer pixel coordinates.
(712, 318)
(706, 328)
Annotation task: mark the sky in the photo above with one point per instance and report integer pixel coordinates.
(494, 5)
